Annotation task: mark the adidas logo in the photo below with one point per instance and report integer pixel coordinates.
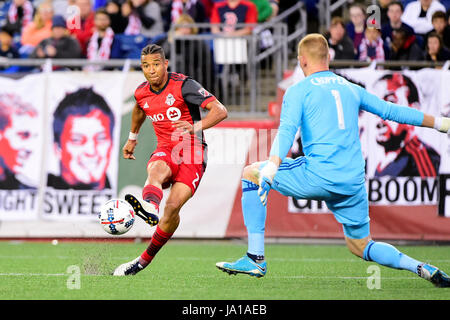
(146, 106)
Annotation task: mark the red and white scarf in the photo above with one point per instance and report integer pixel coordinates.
(134, 24)
(178, 7)
(94, 52)
(364, 50)
(27, 13)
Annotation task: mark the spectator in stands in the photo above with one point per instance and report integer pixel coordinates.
(395, 12)
(101, 43)
(264, 10)
(166, 11)
(232, 12)
(341, 46)
(20, 13)
(60, 7)
(98, 4)
(435, 48)
(357, 24)
(418, 15)
(7, 48)
(82, 27)
(208, 4)
(38, 29)
(144, 17)
(194, 58)
(293, 19)
(441, 27)
(60, 45)
(384, 7)
(193, 8)
(372, 46)
(404, 47)
(118, 21)
(275, 4)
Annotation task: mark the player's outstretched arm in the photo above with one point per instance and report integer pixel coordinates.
(441, 124)
(137, 119)
(401, 114)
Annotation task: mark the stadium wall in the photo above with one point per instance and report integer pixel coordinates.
(402, 207)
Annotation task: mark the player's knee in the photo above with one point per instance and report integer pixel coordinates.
(356, 251)
(357, 246)
(250, 173)
(158, 172)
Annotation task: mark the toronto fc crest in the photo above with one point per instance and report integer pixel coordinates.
(170, 100)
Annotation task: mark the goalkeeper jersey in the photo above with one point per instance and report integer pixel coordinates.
(326, 108)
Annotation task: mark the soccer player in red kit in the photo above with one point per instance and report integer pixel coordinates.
(172, 101)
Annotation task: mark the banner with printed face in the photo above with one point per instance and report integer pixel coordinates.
(403, 163)
(83, 127)
(21, 135)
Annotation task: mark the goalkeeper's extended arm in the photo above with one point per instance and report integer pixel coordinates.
(401, 114)
(441, 124)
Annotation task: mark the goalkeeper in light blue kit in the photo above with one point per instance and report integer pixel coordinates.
(325, 107)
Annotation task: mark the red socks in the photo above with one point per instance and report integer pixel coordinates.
(152, 194)
(159, 239)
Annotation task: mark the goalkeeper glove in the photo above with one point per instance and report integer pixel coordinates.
(442, 124)
(266, 176)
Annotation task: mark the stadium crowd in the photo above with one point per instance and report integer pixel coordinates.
(118, 29)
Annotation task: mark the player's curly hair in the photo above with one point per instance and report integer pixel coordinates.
(153, 49)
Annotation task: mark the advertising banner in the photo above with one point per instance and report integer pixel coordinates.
(84, 127)
(21, 137)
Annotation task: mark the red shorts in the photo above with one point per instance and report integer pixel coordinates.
(185, 169)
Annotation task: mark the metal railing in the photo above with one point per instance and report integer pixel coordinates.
(242, 72)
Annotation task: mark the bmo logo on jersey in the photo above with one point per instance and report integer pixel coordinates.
(172, 114)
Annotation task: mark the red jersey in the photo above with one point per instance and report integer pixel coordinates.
(180, 99)
(244, 12)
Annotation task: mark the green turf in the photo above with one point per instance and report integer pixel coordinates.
(186, 270)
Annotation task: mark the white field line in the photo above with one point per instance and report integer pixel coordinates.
(211, 276)
(319, 260)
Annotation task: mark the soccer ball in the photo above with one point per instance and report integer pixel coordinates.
(116, 216)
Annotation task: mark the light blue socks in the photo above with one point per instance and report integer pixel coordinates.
(254, 218)
(387, 255)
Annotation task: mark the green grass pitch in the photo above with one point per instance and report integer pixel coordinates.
(185, 270)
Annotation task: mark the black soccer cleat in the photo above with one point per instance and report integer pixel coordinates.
(151, 218)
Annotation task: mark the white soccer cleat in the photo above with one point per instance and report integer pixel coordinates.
(128, 268)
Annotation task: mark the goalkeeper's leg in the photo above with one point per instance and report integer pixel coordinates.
(389, 256)
(254, 213)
